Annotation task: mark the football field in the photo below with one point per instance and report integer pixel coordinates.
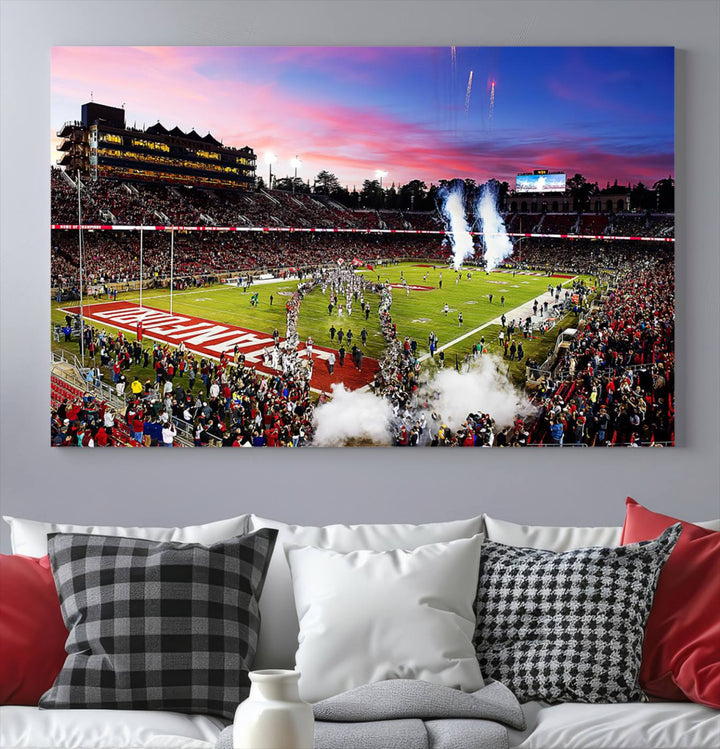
(417, 312)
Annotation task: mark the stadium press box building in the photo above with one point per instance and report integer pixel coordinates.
(101, 146)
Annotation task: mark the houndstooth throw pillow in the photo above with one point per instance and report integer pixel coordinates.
(157, 625)
(567, 627)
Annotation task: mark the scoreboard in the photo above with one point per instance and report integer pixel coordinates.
(540, 180)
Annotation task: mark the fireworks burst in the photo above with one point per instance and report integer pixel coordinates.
(468, 92)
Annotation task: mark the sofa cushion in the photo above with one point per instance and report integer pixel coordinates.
(568, 626)
(649, 725)
(368, 616)
(157, 625)
(32, 632)
(279, 632)
(31, 728)
(614, 726)
(557, 537)
(549, 537)
(29, 537)
(681, 650)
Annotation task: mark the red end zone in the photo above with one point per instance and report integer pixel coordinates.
(210, 339)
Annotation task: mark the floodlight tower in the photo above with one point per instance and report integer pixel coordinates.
(296, 164)
(270, 159)
(379, 174)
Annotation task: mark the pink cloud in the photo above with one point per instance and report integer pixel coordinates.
(180, 86)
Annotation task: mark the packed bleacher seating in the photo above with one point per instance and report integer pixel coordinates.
(662, 225)
(214, 403)
(114, 257)
(424, 221)
(628, 224)
(366, 219)
(134, 204)
(614, 385)
(79, 419)
(593, 223)
(523, 222)
(559, 223)
(393, 219)
(579, 255)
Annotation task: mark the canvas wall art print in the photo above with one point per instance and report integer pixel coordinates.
(362, 246)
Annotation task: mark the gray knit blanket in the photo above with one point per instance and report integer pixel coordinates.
(408, 714)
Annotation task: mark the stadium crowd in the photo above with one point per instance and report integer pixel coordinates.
(614, 384)
(111, 257)
(580, 255)
(151, 204)
(221, 403)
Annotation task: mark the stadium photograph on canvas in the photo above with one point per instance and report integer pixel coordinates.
(362, 246)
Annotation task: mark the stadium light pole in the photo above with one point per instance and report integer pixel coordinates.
(172, 261)
(270, 159)
(379, 174)
(296, 163)
(80, 248)
(141, 265)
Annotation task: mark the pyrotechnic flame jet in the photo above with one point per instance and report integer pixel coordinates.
(452, 205)
(497, 243)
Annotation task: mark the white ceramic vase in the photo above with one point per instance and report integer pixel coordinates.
(274, 716)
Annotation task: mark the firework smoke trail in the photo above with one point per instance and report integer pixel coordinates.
(497, 243)
(453, 60)
(452, 202)
(468, 92)
(492, 100)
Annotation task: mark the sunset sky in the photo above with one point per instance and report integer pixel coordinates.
(604, 112)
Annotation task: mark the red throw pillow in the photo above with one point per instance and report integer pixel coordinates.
(32, 632)
(681, 650)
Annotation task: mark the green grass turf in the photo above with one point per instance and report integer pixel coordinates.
(416, 315)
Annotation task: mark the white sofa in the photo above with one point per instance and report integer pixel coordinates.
(653, 725)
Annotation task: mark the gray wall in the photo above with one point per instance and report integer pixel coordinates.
(319, 486)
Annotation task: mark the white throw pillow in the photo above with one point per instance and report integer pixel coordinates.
(29, 537)
(549, 537)
(279, 627)
(559, 538)
(367, 616)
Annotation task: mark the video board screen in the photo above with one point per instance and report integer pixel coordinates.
(554, 182)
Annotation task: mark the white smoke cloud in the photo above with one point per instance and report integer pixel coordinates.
(352, 417)
(484, 388)
(497, 243)
(453, 206)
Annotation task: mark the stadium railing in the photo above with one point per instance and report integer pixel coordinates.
(109, 394)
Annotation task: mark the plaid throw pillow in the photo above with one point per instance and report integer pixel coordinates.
(157, 625)
(567, 627)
